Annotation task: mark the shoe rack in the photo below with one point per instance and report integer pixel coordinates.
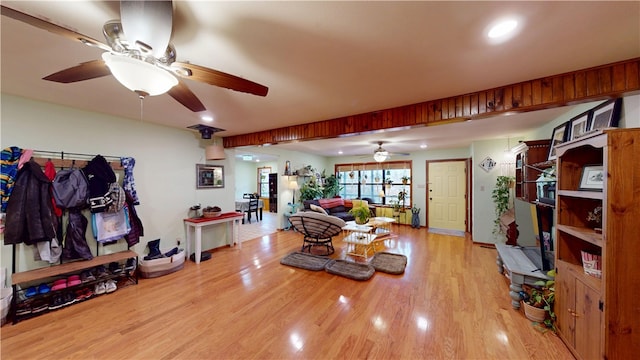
(48, 275)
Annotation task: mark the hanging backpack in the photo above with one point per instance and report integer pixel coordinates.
(70, 189)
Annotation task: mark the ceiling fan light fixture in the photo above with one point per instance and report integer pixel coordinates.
(380, 156)
(138, 75)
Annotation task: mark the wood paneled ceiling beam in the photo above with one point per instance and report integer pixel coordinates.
(596, 83)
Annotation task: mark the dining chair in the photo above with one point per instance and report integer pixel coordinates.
(253, 207)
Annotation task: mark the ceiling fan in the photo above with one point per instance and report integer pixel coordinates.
(380, 154)
(144, 61)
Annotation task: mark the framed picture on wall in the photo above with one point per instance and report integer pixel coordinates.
(209, 176)
(579, 125)
(558, 136)
(606, 115)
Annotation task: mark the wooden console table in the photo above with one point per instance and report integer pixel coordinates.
(519, 269)
(231, 218)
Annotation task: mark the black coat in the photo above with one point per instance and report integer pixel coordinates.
(30, 216)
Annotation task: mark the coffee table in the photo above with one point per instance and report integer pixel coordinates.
(363, 238)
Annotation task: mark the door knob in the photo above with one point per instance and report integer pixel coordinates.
(430, 198)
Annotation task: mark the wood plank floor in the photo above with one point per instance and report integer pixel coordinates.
(450, 303)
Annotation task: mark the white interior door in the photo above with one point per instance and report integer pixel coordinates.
(446, 195)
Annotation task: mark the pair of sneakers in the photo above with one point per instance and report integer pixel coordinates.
(108, 286)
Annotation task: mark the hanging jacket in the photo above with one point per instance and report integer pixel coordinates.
(30, 217)
(129, 183)
(133, 237)
(9, 163)
(75, 242)
(99, 175)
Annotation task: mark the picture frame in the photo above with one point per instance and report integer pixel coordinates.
(209, 176)
(579, 125)
(592, 178)
(605, 115)
(558, 136)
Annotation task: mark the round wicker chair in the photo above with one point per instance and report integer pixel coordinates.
(317, 228)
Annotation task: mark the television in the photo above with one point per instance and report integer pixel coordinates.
(535, 232)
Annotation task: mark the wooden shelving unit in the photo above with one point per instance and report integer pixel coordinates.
(528, 154)
(598, 317)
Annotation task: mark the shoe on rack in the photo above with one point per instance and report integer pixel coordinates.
(86, 276)
(59, 284)
(101, 271)
(111, 286)
(39, 306)
(115, 268)
(23, 308)
(31, 291)
(73, 280)
(68, 298)
(100, 289)
(88, 293)
(56, 302)
(130, 265)
(43, 288)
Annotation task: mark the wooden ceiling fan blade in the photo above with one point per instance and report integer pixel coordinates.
(218, 78)
(186, 97)
(85, 71)
(53, 28)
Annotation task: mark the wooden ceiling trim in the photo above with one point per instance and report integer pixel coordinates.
(601, 82)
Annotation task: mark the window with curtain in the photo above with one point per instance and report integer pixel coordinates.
(373, 180)
(263, 181)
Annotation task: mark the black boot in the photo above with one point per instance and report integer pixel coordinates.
(171, 252)
(154, 250)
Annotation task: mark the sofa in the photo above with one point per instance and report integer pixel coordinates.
(337, 207)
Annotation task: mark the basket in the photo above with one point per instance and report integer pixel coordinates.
(211, 214)
(592, 264)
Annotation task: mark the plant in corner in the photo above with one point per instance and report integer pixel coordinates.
(331, 187)
(541, 298)
(501, 199)
(361, 213)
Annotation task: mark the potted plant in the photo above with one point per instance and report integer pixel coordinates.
(361, 213)
(388, 183)
(538, 302)
(402, 196)
(501, 198)
(405, 179)
(595, 216)
(331, 187)
(396, 207)
(310, 190)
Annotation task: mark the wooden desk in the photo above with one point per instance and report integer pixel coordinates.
(231, 218)
(520, 270)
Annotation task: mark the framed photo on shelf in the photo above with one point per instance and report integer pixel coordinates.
(558, 137)
(592, 178)
(209, 176)
(606, 115)
(579, 125)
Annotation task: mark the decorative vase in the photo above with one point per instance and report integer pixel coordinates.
(534, 314)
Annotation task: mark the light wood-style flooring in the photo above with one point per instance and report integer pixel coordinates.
(450, 303)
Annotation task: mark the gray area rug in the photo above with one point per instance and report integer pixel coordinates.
(389, 263)
(350, 269)
(305, 261)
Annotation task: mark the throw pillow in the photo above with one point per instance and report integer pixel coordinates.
(317, 208)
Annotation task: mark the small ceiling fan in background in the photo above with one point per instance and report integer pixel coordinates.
(143, 60)
(380, 154)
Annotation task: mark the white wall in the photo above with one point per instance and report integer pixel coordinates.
(164, 171)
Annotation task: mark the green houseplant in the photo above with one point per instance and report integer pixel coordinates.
(539, 300)
(310, 190)
(501, 196)
(361, 213)
(402, 196)
(331, 187)
(405, 179)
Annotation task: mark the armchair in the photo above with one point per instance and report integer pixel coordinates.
(318, 229)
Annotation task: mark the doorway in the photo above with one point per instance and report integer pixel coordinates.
(447, 196)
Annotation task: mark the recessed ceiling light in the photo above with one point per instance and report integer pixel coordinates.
(423, 146)
(340, 152)
(502, 28)
(207, 118)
